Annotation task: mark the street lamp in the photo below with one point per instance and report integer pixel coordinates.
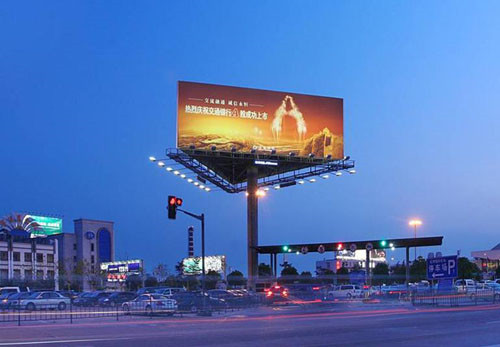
(414, 223)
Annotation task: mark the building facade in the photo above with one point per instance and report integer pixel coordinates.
(83, 251)
(28, 259)
(487, 260)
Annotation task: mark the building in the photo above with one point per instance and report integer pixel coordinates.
(83, 251)
(488, 260)
(28, 259)
(350, 260)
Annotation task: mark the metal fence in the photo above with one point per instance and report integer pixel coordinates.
(456, 298)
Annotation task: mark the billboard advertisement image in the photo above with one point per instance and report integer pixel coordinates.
(252, 119)
(46, 226)
(192, 265)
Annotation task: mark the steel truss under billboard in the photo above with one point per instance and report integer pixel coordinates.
(228, 170)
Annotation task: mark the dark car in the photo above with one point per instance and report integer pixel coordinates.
(12, 300)
(69, 294)
(116, 299)
(276, 293)
(90, 298)
(193, 301)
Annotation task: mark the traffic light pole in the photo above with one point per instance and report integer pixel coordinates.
(201, 218)
(252, 226)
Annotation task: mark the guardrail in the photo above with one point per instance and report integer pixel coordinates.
(73, 312)
(455, 298)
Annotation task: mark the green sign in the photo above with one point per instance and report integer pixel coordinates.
(47, 225)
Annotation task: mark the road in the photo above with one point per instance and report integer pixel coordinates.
(292, 326)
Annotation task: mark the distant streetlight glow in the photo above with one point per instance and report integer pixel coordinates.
(414, 223)
(260, 193)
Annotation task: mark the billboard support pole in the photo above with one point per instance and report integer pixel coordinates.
(252, 226)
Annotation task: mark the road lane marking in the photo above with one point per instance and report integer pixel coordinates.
(46, 342)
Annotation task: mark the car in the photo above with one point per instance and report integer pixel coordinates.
(12, 299)
(90, 298)
(7, 290)
(276, 293)
(170, 291)
(465, 285)
(345, 291)
(69, 293)
(44, 300)
(116, 299)
(194, 301)
(149, 304)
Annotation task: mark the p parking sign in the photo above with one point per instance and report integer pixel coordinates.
(443, 267)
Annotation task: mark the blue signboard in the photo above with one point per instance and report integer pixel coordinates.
(443, 267)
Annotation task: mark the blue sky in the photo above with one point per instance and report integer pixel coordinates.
(88, 92)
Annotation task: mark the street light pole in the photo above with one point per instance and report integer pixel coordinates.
(414, 223)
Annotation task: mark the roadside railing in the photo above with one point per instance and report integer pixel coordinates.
(456, 298)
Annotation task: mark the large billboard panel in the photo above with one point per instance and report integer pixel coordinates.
(252, 119)
(46, 226)
(192, 265)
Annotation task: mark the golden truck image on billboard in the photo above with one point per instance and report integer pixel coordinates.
(253, 119)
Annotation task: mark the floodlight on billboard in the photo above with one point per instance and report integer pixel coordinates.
(223, 118)
(192, 265)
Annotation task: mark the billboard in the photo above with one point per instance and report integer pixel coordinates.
(46, 226)
(192, 265)
(252, 119)
(117, 271)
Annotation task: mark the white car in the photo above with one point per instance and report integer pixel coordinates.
(465, 286)
(44, 300)
(345, 291)
(150, 303)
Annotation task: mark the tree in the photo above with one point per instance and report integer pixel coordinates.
(179, 268)
(211, 279)
(398, 273)
(150, 281)
(380, 273)
(289, 271)
(133, 282)
(264, 270)
(305, 277)
(160, 272)
(467, 269)
(236, 278)
(497, 272)
(418, 269)
(343, 275)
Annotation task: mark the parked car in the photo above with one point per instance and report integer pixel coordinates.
(149, 304)
(7, 290)
(193, 301)
(116, 299)
(466, 285)
(90, 298)
(12, 299)
(44, 300)
(345, 291)
(69, 294)
(168, 292)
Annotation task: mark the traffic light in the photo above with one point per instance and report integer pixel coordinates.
(285, 248)
(383, 243)
(173, 203)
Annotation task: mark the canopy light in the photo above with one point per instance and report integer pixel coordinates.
(190, 180)
(352, 171)
(169, 168)
(338, 173)
(183, 176)
(207, 189)
(196, 183)
(301, 181)
(152, 159)
(161, 164)
(312, 180)
(325, 176)
(176, 172)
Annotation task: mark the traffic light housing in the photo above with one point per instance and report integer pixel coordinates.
(173, 203)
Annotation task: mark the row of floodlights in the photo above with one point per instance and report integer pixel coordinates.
(273, 152)
(312, 180)
(181, 175)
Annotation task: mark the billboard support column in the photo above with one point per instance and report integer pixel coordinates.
(252, 226)
(367, 268)
(408, 265)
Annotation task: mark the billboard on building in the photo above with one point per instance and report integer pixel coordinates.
(252, 119)
(46, 226)
(117, 271)
(192, 265)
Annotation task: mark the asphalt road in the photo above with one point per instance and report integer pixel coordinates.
(292, 326)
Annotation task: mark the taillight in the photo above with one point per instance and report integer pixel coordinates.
(285, 293)
(269, 293)
(315, 288)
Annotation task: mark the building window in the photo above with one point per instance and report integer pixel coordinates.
(74, 258)
(92, 259)
(4, 256)
(39, 275)
(17, 256)
(4, 274)
(39, 258)
(74, 246)
(50, 258)
(104, 241)
(50, 274)
(92, 269)
(28, 274)
(92, 247)
(17, 274)
(27, 257)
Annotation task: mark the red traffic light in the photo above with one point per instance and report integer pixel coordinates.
(172, 201)
(178, 202)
